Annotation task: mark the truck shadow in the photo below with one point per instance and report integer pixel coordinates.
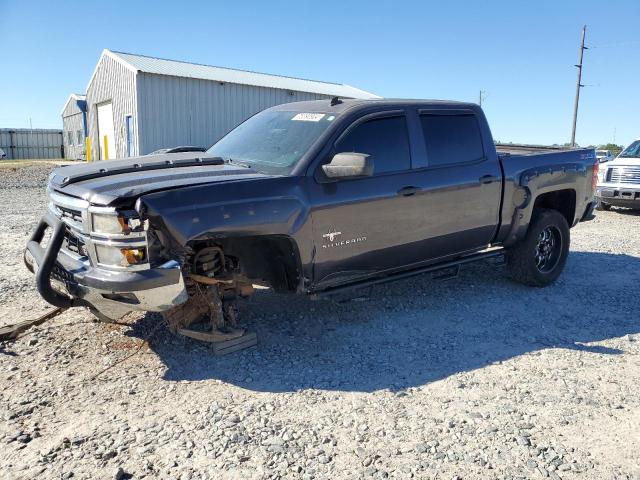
(413, 332)
(625, 211)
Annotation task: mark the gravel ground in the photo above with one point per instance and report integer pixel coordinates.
(475, 377)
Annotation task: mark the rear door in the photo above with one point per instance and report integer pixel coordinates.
(459, 179)
(360, 226)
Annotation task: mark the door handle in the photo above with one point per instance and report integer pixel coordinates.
(408, 191)
(489, 179)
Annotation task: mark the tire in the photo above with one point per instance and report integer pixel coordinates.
(539, 258)
(602, 206)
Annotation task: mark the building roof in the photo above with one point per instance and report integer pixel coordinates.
(80, 100)
(160, 66)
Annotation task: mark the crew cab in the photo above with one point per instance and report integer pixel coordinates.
(312, 198)
(619, 180)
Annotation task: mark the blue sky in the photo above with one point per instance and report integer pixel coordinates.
(520, 53)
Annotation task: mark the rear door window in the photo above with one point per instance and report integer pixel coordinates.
(385, 139)
(452, 138)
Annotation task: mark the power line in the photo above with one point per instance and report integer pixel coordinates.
(619, 44)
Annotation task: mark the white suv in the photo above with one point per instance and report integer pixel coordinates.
(619, 180)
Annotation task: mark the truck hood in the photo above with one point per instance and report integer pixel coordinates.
(119, 182)
(624, 161)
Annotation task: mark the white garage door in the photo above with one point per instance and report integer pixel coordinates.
(105, 131)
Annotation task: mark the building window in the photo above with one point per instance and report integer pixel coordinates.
(70, 138)
(80, 138)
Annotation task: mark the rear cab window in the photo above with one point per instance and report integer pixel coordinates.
(451, 138)
(385, 139)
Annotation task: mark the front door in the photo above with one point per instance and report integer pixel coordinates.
(359, 225)
(106, 140)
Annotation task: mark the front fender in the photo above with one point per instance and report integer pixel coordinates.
(275, 206)
(252, 208)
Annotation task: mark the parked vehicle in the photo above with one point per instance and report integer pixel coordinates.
(311, 198)
(619, 180)
(604, 156)
(2, 154)
(182, 149)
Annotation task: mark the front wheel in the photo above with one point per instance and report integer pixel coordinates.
(539, 258)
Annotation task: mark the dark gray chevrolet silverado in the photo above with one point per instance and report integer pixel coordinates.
(310, 197)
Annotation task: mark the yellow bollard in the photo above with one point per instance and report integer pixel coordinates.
(106, 148)
(87, 146)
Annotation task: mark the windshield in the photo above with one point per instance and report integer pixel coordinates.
(272, 141)
(603, 153)
(632, 151)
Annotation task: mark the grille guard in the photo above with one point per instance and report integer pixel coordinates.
(46, 261)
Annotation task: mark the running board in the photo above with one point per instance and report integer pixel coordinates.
(453, 266)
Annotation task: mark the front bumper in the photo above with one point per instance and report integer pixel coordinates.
(113, 293)
(619, 196)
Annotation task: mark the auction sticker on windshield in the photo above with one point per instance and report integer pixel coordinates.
(308, 117)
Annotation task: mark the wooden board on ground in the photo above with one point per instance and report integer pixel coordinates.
(222, 347)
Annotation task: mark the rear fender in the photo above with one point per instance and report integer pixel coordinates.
(532, 184)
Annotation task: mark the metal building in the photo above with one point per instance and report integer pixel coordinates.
(138, 104)
(74, 127)
(23, 143)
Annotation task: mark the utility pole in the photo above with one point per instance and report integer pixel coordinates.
(578, 86)
(480, 98)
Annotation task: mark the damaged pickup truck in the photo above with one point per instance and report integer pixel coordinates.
(311, 198)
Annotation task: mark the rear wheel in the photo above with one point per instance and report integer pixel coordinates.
(539, 258)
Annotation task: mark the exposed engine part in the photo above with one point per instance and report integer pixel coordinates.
(209, 262)
(209, 281)
(204, 304)
(211, 312)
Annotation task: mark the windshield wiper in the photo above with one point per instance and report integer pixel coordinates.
(231, 161)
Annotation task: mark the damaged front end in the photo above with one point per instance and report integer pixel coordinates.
(101, 258)
(114, 261)
(215, 285)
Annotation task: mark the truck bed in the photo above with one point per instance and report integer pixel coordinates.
(527, 149)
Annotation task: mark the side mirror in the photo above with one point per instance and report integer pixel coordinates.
(348, 165)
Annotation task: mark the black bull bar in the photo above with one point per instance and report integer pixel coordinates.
(47, 264)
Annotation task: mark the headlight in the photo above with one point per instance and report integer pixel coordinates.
(122, 257)
(602, 174)
(115, 223)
